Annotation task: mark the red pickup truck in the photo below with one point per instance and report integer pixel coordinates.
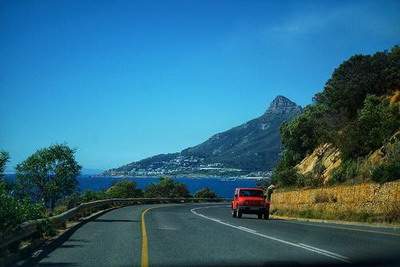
(250, 201)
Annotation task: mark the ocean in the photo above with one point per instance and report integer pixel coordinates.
(224, 187)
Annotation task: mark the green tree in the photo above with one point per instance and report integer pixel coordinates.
(167, 187)
(205, 193)
(49, 174)
(304, 132)
(359, 76)
(351, 113)
(4, 158)
(376, 122)
(124, 189)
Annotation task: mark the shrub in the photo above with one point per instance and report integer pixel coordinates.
(72, 200)
(346, 171)
(124, 189)
(390, 169)
(14, 212)
(90, 195)
(376, 122)
(302, 134)
(287, 177)
(386, 172)
(319, 169)
(308, 180)
(205, 193)
(46, 228)
(312, 179)
(167, 187)
(58, 209)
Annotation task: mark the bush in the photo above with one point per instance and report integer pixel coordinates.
(72, 200)
(90, 195)
(302, 134)
(376, 122)
(167, 187)
(124, 189)
(287, 177)
(14, 212)
(308, 180)
(205, 193)
(386, 172)
(346, 171)
(46, 228)
(390, 169)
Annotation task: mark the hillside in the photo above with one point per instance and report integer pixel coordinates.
(251, 147)
(350, 132)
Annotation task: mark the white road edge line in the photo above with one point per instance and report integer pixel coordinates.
(326, 251)
(254, 232)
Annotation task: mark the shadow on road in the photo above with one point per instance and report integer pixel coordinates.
(59, 242)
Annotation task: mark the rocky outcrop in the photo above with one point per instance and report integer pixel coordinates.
(325, 155)
(328, 157)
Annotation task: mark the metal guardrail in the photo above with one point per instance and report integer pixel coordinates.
(30, 228)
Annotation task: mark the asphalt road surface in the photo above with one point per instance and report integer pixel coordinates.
(207, 235)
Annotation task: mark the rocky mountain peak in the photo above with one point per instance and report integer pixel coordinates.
(282, 104)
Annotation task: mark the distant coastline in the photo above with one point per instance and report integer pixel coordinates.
(223, 186)
(190, 176)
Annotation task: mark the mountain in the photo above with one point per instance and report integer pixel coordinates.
(251, 147)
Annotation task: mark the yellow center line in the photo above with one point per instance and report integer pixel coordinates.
(145, 248)
(145, 243)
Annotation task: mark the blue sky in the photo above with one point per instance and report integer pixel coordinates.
(123, 80)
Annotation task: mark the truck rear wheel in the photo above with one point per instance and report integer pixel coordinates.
(260, 215)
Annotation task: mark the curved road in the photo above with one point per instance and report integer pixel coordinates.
(207, 235)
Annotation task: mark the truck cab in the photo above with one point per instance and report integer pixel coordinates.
(250, 201)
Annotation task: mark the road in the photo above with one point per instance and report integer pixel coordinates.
(207, 235)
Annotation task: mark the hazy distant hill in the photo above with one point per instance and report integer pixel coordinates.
(250, 147)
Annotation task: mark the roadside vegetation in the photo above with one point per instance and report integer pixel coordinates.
(166, 187)
(46, 185)
(358, 112)
(205, 193)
